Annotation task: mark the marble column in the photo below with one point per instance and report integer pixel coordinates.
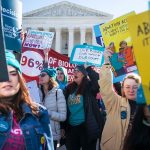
(46, 29)
(93, 37)
(82, 35)
(71, 40)
(58, 40)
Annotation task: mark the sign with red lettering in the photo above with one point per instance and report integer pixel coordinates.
(38, 39)
(56, 59)
(31, 63)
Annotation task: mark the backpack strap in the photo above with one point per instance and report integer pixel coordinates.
(56, 100)
(56, 95)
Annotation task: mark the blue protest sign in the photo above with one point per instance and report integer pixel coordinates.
(3, 66)
(98, 35)
(92, 55)
(12, 23)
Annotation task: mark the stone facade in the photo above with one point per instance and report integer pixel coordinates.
(72, 24)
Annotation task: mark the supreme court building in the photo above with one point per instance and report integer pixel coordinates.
(72, 24)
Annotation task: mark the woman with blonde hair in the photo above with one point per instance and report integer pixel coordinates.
(120, 109)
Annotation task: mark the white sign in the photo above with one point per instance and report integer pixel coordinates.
(39, 39)
(87, 54)
(31, 63)
(34, 91)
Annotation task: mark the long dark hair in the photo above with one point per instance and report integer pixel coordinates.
(21, 97)
(139, 136)
(72, 87)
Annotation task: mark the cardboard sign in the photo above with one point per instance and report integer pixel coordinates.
(32, 59)
(12, 23)
(31, 63)
(139, 27)
(119, 49)
(116, 31)
(38, 39)
(98, 34)
(92, 55)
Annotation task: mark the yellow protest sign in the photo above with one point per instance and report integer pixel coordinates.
(139, 27)
(117, 31)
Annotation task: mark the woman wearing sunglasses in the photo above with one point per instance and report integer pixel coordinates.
(53, 99)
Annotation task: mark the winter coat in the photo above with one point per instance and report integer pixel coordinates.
(89, 102)
(55, 103)
(118, 113)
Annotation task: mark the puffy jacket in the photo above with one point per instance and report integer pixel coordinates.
(55, 103)
(33, 128)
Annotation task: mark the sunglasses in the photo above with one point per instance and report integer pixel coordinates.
(42, 75)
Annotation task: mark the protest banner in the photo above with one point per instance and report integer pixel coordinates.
(89, 54)
(98, 35)
(32, 60)
(116, 31)
(31, 63)
(34, 91)
(118, 44)
(56, 59)
(12, 23)
(38, 39)
(3, 66)
(139, 27)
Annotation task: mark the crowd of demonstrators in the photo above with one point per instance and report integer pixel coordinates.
(53, 99)
(139, 136)
(120, 109)
(70, 111)
(23, 124)
(84, 122)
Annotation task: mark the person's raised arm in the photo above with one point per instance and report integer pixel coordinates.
(109, 96)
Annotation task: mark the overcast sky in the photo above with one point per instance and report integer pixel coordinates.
(114, 7)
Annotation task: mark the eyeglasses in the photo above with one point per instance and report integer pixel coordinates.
(42, 75)
(131, 87)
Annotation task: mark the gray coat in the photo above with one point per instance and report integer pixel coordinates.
(56, 110)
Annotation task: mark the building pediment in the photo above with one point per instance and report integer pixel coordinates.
(66, 9)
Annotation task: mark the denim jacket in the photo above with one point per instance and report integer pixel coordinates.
(34, 129)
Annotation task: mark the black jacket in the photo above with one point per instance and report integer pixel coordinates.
(90, 103)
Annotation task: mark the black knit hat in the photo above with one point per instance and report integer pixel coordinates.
(82, 69)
